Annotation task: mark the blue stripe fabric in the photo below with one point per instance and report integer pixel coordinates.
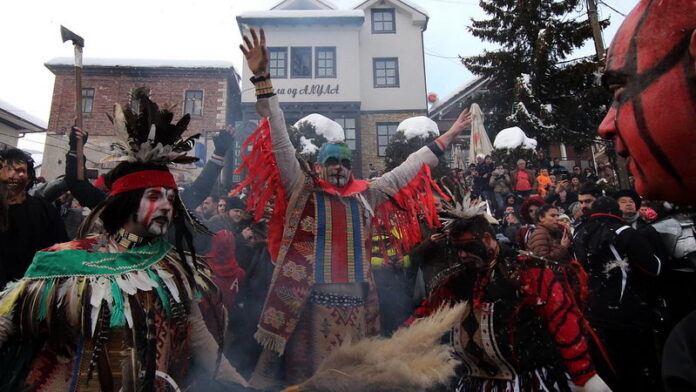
(357, 240)
(321, 233)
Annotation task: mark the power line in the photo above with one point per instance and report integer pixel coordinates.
(612, 8)
(47, 144)
(441, 56)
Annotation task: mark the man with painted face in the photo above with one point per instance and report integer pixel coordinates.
(118, 309)
(323, 291)
(32, 223)
(521, 329)
(651, 68)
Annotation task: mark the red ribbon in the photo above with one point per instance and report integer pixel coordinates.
(143, 179)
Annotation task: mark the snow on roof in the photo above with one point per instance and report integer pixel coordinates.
(283, 14)
(324, 126)
(511, 138)
(326, 3)
(419, 126)
(21, 114)
(155, 63)
(464, 87)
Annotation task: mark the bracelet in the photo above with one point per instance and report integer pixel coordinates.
(263, 87)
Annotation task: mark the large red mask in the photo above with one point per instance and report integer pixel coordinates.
(651, 69)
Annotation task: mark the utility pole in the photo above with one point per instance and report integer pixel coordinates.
(596, 29)
(618, 162)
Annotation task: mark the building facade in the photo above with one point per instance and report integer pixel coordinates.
(208, 91)
(14, 123)
(361, 66)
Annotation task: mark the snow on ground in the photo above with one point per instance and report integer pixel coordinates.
(420, 126)
(324, 126)
(511, 138)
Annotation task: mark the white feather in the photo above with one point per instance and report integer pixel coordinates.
(126, 285)
(168, 280)
(120, 129)
(151, 135)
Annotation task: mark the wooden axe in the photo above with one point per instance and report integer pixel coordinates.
(79, 43)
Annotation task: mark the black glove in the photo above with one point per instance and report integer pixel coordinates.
(73, 139)
(222, 143)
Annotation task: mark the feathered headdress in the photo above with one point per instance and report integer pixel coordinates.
(460, 205)
(149, 137)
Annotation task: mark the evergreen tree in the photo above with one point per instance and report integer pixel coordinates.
(399, 148)
(532, 85)
(305, 130)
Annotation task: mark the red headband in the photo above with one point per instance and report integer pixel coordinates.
(143, 179)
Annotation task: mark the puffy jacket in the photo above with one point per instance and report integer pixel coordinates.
(546, 241)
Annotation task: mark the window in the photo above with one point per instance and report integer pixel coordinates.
(384, 133)
(193, 103)
(386, 71)
(278, 59)
(87, 100)
(326, 62)
(348, 125)
(301, 62)
(383, 21)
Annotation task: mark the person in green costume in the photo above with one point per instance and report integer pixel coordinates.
(118, 310)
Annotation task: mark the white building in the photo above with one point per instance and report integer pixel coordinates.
(15, 123)
(362, 66)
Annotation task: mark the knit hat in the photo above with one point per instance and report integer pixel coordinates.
(338, 150)
(629, 193)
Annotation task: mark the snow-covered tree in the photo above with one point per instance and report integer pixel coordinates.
(306, 140)
(400, 147)
(533, 85)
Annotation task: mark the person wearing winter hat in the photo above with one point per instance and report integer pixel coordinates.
(528, 214)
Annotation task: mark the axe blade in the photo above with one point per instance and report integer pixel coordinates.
(68, 35)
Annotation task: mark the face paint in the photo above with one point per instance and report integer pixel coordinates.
(653, 78)
(336, 173)
(156, 210)
(18, 179)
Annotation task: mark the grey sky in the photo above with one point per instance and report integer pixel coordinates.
(193, 29)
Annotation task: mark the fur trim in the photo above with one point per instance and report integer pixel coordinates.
(413, 359)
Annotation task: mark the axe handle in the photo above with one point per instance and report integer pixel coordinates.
(78, 122)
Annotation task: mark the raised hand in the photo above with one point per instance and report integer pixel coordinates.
(256, 53)
(463, 122)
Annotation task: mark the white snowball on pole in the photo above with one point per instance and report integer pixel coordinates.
(511, 138)
(324, 126)
(420, 126)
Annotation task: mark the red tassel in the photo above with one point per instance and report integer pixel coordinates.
(403, 212)
(265, 185)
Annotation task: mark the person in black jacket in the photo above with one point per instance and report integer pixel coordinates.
(621, 268)
(32, 223)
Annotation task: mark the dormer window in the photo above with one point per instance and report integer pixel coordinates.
(383, 21)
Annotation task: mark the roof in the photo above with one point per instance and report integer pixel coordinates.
(145, 63)
(463, 91)
(20, 119)
(407, 3)
(301, 16)
(345, 11)
(323, 4)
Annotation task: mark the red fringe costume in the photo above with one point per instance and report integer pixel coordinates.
(522, 330)
(322, 292)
